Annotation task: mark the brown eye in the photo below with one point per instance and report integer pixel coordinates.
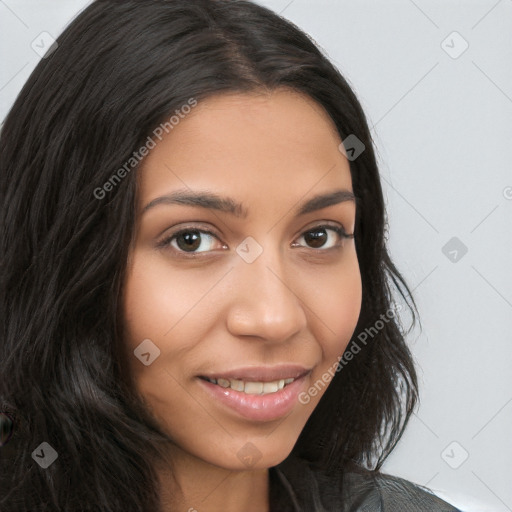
(318, 237)
(190, 240)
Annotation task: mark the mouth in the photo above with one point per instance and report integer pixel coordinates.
(257, 393)
(251, 387)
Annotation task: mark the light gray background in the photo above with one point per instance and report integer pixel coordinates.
(443, 131)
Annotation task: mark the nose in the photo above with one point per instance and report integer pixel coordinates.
(265, 300)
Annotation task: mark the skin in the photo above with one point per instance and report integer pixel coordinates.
(216, 311)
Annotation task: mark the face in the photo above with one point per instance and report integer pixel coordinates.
(236, 307)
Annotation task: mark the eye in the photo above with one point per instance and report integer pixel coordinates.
(318, 237)
(192, 240)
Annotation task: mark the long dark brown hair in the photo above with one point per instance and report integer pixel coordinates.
(118, 71)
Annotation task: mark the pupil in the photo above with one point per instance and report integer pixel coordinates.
(190, 238)
(316, 238)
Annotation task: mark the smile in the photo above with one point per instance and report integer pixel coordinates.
(257, 393)
(251, 388)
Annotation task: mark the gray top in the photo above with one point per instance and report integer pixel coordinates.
(296, 487)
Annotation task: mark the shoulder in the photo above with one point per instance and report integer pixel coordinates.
(380, 492)
(359, 490)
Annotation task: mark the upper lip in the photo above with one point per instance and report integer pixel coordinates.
(261, 373)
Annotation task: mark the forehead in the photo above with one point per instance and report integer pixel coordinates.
(282, 140)
(280, 118)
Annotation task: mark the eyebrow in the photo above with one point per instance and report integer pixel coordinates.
(213, 201)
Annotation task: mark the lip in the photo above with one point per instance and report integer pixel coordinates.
(271, 406)
(262, 373)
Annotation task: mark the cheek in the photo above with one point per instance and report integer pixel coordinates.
(156, 298)
(346, 309)
(337, 306)
(156, 302)
(153, 303)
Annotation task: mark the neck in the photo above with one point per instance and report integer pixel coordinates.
(190, 484)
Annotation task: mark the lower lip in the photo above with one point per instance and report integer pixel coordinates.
(267, 407)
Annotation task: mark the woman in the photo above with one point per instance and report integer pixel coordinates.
(199, 307)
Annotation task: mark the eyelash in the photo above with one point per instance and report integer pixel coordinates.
(166, 242)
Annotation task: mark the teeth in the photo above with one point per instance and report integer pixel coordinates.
(223, 383)
(252, 388)
(237, 385)
(270, 387)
